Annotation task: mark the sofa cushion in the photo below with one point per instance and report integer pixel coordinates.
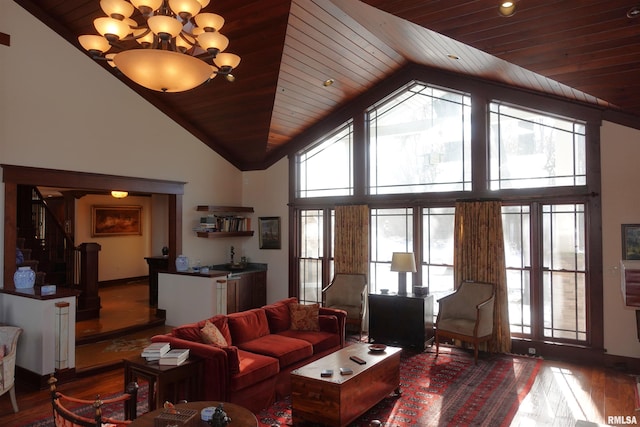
(278, 315)
(304, 317)
(191, 331)
(321, 341)
(210, 334)
(248, 325)
(286, 349)
(253, 369)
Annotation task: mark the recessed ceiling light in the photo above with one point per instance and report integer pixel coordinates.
(453, 56)
(328, 82)
(507, 8)
(634, 12)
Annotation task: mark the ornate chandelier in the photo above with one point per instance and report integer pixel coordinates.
(178, 48)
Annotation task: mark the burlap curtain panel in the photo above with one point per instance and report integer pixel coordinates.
(479, 255)
(351, 252)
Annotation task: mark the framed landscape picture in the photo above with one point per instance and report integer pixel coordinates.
(269, 230)
(630, 241)
(116, 220)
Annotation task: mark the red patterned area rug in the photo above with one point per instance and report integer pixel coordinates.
(449, 390)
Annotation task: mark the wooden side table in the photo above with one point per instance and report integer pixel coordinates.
(166, 383)
(403, 320)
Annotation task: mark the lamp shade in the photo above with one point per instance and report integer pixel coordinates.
(227, 60)
(94, 43)
(112, 27)
(209, 21)
(117, 7)
(213, 40)
(403, 262)
(163, 70)
(161, 24)
(185, 7)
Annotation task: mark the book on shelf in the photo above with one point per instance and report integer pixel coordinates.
(155, 350)
(229, 223)
(174, 357)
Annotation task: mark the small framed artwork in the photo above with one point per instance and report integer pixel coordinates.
(630, 241)
(269, 231)
(116, 220)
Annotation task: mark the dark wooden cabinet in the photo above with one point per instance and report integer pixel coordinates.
(246, 291)
(405, 321)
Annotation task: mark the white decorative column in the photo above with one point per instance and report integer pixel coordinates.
(221, 300)
(62, 335)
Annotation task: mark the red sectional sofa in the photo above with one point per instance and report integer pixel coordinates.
(253, 369)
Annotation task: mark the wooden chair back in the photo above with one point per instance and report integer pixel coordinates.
(64, 415)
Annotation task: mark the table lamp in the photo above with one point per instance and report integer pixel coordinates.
(403, 263)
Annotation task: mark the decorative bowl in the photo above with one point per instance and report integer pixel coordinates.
(377, 347)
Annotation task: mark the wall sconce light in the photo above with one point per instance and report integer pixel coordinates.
(403, 263)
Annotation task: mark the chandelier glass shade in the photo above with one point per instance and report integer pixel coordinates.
(178, 48)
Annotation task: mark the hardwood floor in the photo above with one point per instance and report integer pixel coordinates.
(562, 394)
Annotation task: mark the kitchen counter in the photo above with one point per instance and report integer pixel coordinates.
(251, 267)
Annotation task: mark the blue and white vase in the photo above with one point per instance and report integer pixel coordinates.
(24, 278)
(182, 263)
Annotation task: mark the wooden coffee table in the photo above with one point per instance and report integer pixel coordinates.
(340, 399)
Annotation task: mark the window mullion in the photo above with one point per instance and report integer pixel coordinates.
(537, 273)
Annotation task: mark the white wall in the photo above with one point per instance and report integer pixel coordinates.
(268, 192)
(620, 205)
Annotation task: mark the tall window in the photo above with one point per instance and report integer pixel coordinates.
(420, 142)
(564, 275)
(333, 154)
(415, 160)
(516, 228)
(533, 149)
(391, 231)
(437, 251)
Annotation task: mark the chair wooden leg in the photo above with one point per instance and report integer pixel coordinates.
(475, 353)
(12, 395)
(437, 344)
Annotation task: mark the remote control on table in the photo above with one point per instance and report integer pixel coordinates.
(357, 360)
(326, 373)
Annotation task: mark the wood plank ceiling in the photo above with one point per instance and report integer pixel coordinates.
(585, 51)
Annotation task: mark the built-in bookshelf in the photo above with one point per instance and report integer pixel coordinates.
(224, 221)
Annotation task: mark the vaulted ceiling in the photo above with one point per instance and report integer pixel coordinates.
(585, 51)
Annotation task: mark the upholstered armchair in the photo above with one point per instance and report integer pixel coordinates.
(8, 346)
(467, 315)
(348, 292)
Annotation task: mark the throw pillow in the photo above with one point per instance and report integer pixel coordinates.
(304, 317)
(211, 335)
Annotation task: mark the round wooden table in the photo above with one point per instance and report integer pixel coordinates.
(240, 417)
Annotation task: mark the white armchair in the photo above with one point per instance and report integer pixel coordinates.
(467, 315)
(348, 292)
(8, 345)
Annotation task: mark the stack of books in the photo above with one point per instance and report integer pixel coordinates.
(175, 357)
(154, 351)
